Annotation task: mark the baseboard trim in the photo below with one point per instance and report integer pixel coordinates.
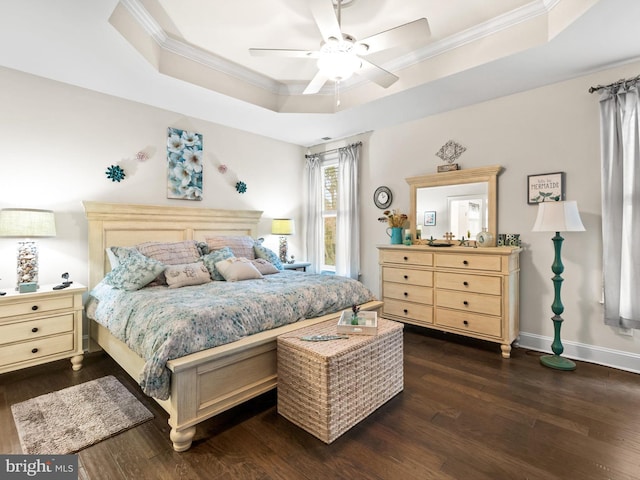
(579, 351)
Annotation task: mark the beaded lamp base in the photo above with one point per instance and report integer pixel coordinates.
(283, 249)
(27, 271)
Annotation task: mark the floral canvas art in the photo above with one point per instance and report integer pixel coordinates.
(184, 164)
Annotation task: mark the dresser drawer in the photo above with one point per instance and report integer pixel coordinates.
(408, 276)
(469, 283)
(36, 305)
(469, 322)
(490, 263)
(407, 257)
(470, 302)
(37, 348)
(411, 293)
(41, 327)
(410, 312)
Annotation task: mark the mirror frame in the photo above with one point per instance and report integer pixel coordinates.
(458, 177)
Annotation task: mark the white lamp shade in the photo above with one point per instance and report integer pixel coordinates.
(558, 217)
(25, 222)
(283, 226)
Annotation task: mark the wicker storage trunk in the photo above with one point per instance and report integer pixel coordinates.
(328, 387)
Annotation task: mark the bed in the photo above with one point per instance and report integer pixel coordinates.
(207, 382)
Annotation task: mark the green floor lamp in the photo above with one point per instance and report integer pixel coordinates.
(557, 217)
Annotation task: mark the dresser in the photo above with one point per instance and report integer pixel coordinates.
(462, 290)
(41, 327)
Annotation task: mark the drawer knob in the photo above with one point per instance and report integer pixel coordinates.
(465, 262)
(406, 258)
(466, 284)
(405, 311)
(466, 303)
(466, 322)
(406, 277)
(34, 350)
(406, 294)
(34, 308)
(34, 329)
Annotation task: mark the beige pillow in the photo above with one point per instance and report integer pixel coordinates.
(264, 267)
(170, 253)
(234, 269)
(240, 245)
(186, 274)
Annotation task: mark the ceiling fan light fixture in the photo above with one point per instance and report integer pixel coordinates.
(338, 60)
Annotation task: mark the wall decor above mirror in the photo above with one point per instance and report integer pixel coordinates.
(464, 202)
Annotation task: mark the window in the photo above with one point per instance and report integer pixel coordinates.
(329, 213)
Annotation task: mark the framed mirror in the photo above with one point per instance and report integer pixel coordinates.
(462, 202)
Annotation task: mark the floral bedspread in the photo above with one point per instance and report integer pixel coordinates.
(161, 324)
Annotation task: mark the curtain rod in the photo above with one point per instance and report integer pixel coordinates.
(333, 150)
(614, 84)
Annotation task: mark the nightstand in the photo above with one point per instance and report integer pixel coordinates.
(41, 327)
(296, 266)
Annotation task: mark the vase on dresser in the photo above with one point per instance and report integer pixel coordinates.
(396, 235)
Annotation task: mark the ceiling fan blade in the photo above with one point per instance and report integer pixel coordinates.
(376, 74)
(325, 17)
(410, 33)
(315, 84)
(276, 52)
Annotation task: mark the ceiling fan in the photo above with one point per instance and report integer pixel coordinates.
(341, 55)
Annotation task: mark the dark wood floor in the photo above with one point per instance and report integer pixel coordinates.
(465, 414)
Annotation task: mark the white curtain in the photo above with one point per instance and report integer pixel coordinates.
(619, 110)
(315, 242)
(347, 224)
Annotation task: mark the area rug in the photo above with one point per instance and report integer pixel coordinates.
(77, 417)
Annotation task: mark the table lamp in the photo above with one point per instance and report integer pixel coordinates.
(27, 223)
(557, 217)
(283, 227)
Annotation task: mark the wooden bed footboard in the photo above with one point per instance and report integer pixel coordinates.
(206, 383)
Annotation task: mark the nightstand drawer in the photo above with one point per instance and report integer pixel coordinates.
(469, 283)
(36, 305)
(405, 275)
(492, 263)
(469, 322)
(414, 312)
(470, 302)
(411, 293)
(407, 256)
(42, 327)
(33, 349)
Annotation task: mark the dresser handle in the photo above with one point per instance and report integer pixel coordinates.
(466, 323)
(406, 277)
(34, 308)
(406, 258)
(466, 284)
(406, 294)
(34, 350)
(465, 262)
(405, 311)
(466, 303)
(34, 329)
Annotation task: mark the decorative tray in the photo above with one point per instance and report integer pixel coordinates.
(367, 323)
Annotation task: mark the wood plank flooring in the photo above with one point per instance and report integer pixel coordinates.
(465, 414)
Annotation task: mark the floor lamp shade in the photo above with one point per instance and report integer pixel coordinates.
(283, 227)
(557, 217)
(27, 223)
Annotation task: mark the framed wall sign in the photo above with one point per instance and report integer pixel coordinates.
(429, 219)
(545, 187)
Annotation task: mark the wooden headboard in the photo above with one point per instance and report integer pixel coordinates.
(118, 224)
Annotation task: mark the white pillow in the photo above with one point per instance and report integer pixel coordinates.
(237, 268)
(186, 274)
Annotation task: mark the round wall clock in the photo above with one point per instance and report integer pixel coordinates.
(382, 197)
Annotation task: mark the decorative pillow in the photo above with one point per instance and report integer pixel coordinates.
(235, 269)
(117, 254)
(269, 255)
(264, 267)
(134, 272)
(240, 245)
(214, 257)
(186, 274)
(170, 253)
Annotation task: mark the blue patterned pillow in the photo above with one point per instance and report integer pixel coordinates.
(134, 272)
(269, 255)
(214, 257)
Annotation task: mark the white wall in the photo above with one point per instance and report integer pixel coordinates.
(58, 140)
(550, 129)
